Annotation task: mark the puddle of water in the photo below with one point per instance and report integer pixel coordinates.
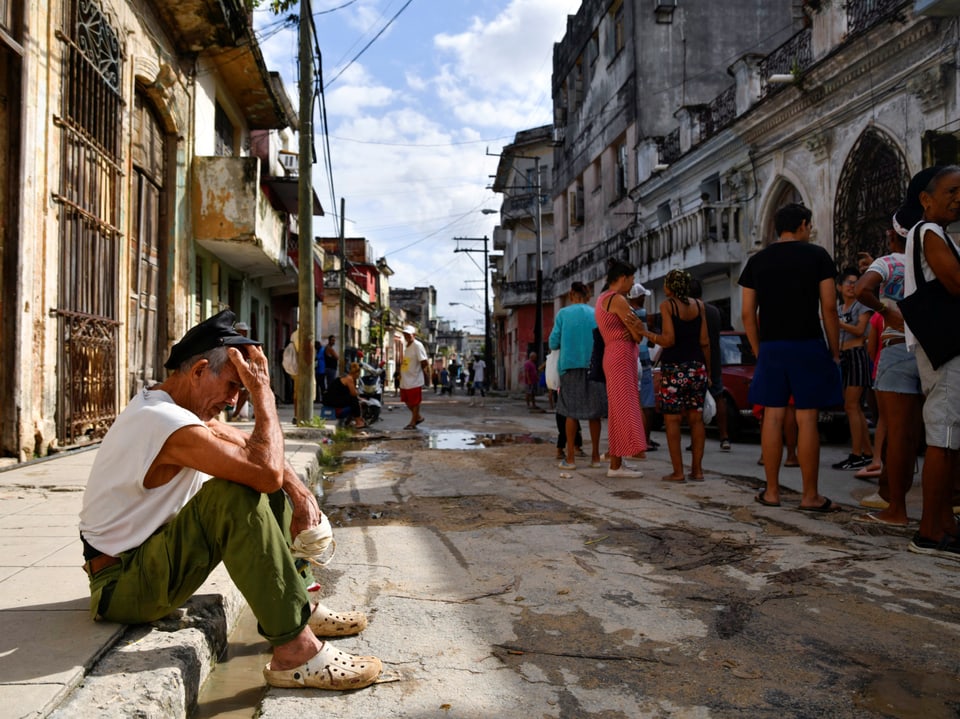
(235, 687)
(461, 439)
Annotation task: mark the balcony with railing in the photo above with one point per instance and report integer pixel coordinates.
(233, 218)
(720, 112)
(864, 14)
(791, 58)
(709, 235)
(669, 147)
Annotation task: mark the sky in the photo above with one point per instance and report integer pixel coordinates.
(416, 121)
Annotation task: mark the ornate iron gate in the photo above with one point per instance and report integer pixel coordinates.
(89, 199)
(872, 186)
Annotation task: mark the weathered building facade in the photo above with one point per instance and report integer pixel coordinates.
(624, 76)
(525, 237)
(132, 203)
(849, 101)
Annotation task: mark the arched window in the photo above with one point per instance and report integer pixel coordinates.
(872, 185)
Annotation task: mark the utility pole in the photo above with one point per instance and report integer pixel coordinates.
(487, 344)
(305, 388)
(343, 282)
(538, 317)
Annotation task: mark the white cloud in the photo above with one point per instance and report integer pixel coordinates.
(408, 147)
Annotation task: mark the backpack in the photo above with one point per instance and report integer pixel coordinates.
(290, 359)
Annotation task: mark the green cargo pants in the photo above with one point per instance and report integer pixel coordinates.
(246, 530)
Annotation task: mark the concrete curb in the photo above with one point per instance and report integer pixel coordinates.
(159, 669)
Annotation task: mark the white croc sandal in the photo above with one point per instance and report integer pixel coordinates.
(325, 622)
(328, 669)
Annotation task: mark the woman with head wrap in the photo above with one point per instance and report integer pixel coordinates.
(685, 367)
(937, 190)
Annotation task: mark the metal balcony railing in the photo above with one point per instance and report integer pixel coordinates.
(792, 57)
(864, 14)
(712, 223)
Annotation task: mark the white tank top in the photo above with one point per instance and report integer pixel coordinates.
(118, 512)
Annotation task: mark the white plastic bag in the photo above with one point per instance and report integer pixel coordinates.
(552, 370)
(709, 408)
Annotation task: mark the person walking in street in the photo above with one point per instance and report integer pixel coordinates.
(898, 389)
(173, 492)
(477, 380)
(715, 388)
(785, 289)
(621, 331)
(937, 189)
(243, 410)
(579, 397)
(685, 367)
(854, 369)
(414, 375)
(531, 381)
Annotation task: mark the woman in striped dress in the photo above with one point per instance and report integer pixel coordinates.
(621, 331)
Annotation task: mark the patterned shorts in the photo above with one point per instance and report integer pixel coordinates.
(682, 387)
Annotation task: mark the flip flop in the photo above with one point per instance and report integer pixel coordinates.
(421, 420)
(760, 499)
(866, 473)
(411, 426)
(825, 508)
(871, 518)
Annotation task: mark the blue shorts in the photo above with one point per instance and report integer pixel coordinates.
(646, 388)
(803, 369)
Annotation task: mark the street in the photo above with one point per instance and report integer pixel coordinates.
(498, 587)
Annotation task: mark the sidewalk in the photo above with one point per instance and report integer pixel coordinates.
(47, 640)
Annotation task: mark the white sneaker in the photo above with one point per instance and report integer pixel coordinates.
(625, 472)
(874, 501)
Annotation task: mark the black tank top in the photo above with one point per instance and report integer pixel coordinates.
(686, 347)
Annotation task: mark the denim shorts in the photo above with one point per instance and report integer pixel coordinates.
(802, 369)
(897, 371)
(646, 387)
(941, 408)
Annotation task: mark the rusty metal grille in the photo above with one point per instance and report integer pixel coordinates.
(89, 198)
(871, 188)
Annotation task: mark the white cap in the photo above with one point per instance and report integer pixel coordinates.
(638, 290)
(409, 330)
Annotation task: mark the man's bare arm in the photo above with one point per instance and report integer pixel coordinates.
(831, 321)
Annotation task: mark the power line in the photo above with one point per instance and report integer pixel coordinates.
(418, 144)
(372, 40)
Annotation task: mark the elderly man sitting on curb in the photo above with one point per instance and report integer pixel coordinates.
(173, 492)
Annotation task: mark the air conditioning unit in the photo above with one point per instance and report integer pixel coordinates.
(663, 11)
(289, 161)
(559, 135)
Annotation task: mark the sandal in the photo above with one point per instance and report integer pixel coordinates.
(327, 669)
(324, 622)
(410, 426)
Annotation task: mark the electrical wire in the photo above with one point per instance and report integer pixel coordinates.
(372, 40)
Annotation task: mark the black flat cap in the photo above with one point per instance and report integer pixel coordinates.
(216, 331)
